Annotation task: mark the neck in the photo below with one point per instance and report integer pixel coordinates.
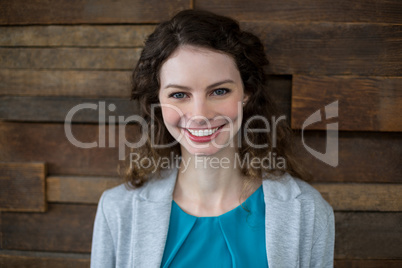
(209, 185)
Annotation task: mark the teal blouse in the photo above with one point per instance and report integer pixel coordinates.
(233, 239)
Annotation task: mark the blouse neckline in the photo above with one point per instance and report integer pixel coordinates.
(242, 206)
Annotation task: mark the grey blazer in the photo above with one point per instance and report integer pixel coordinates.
(131, 226)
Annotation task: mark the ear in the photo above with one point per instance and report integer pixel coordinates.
(245, 99)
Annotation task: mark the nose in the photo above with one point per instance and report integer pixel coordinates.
(201, 111)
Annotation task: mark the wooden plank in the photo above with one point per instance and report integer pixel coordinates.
(75, 35)
(368, 235)
(87, 11)
(364, 157)
(55, 109)
(341, 196)
(280, 91)
(65, 83)
(63, 228)
(362, 197)
(69, 228)
(86, 190)
(356, 263)
(22, 187)
(315, 48)
(306, 10)
(18, 259)
(69, 58)
(331, 48)
(364, 103)
(25, 142)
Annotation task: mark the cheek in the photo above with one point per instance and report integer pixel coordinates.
(231, 110)
(171, 116)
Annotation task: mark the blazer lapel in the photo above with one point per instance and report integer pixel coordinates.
(151, 221)
(282, 218)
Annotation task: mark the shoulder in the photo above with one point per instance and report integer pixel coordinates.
(115, 200)
(294, 207)
(122, 198)
(288, 188)
(313, 204)
(119, 194)
(309, 194)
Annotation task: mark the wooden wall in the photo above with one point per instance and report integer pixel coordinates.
(55, 55)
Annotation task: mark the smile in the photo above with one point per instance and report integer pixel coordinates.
(202, 132)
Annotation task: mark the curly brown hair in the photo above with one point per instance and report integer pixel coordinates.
(218, 33)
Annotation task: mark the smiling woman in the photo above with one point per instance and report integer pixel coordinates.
(202, 90)
(206, 87)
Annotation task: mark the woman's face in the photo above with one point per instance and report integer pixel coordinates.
(201, 93)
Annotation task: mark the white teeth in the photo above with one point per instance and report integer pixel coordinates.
(203, 132)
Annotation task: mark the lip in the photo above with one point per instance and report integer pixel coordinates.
(202, 139)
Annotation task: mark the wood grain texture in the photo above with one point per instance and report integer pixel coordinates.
(362, 197)
(85, 190)
(341, 196)
(48, 143)
(18, 259)
(330, 48)
(368, 235)
(87, 11)
(315, 48)
(75, 35)
(280, 90)
(364, 103)
(364, 157)
(22, 187)
(56, 109)
(63, 228)
(306, 10)
(69, 228)
(65, 83)
(356, 263)
(25, 142)
(69, 58)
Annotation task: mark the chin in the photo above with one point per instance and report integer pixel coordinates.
(209, 149)
(202, 152)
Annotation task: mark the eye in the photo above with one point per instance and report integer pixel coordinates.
(220, 91)
(178, 95)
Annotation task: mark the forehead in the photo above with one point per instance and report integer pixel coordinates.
(190, 64)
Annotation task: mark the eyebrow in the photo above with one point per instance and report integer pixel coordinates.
(209, 87)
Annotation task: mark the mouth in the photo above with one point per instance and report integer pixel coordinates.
(203, 132)
(203, 135)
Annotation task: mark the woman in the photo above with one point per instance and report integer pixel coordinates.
(227, 203)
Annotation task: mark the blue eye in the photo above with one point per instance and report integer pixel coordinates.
(178, 95)
(220, 91)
